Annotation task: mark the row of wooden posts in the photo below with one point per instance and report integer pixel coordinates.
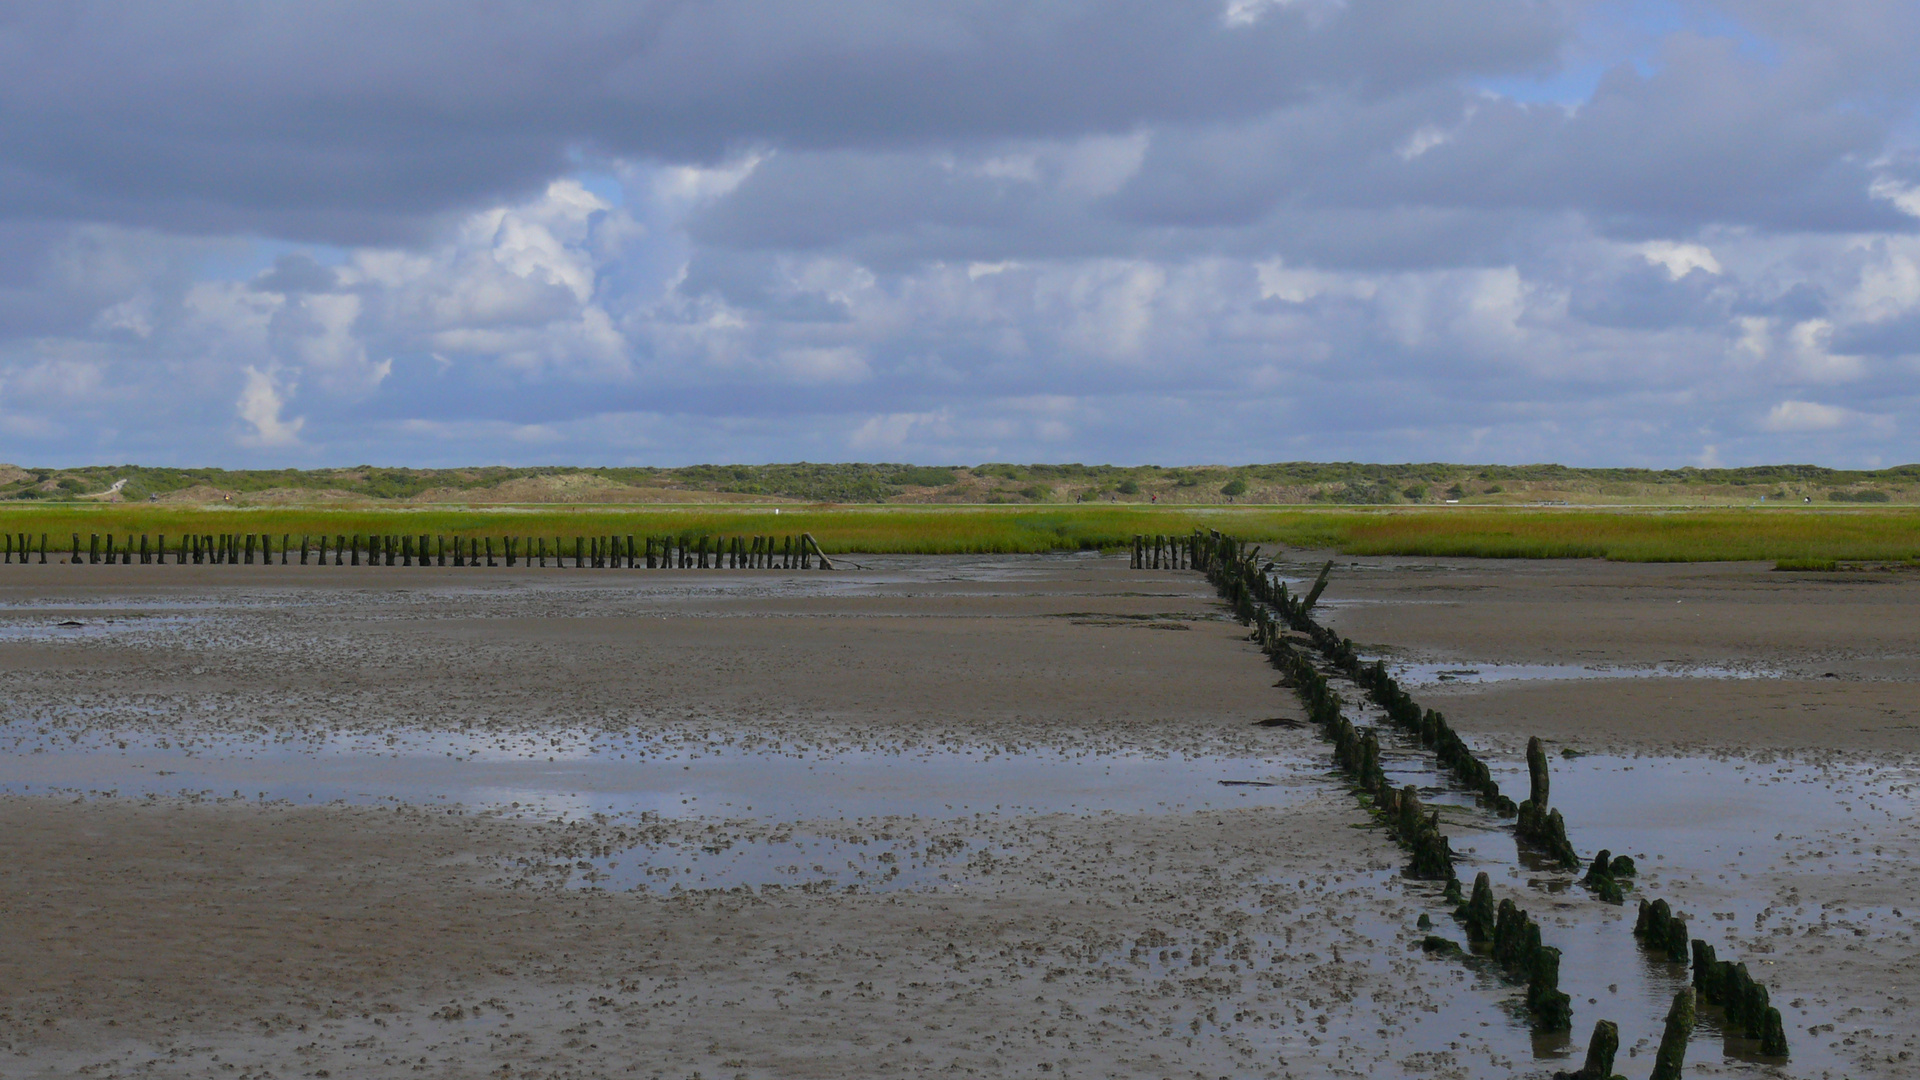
(1240, 576)
(701, 552)
(1163, 552)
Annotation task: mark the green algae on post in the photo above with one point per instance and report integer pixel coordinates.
(1601, 1049)
(1671, 1059)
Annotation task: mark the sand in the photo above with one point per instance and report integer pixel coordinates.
(219, 934)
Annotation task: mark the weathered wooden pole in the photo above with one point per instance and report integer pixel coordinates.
(1671, 1059)
(1601, 1049)
(1538, 777)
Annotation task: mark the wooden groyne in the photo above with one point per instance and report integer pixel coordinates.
(686, 551)
(1284, 628)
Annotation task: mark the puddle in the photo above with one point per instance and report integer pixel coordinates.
(638, 776)
(72, 626)
(1442, 674)
(1719, 840)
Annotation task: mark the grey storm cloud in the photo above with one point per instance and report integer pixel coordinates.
(348, 121)
(966, 230)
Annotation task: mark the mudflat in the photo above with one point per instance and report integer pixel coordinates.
(1760, 659)
(955, 816)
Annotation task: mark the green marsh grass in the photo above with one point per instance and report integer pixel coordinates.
(1629, 535)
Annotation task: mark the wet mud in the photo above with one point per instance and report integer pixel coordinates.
(927, 816)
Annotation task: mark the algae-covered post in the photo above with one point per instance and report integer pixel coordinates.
(1539, 780)
(1671, 1059)
(1601, 1049)
(1319, 586)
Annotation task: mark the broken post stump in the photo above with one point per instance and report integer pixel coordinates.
(1671, 1059)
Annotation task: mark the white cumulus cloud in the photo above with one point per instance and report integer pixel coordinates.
(260, 405)
(1807, 416)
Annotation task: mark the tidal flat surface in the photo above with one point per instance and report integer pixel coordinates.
(991, 814)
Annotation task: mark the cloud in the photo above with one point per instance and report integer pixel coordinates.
(259, 407)
(965, 230)
(1679, 259)
(1807, 416)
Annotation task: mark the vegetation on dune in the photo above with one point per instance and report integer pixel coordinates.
(1298, 483)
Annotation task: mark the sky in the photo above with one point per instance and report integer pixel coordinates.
(1656, 233)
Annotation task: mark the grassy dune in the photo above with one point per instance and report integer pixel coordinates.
(1810, 536)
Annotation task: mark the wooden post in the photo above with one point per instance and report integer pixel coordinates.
(489, 542)
(825, 563)
(1670, 1060)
